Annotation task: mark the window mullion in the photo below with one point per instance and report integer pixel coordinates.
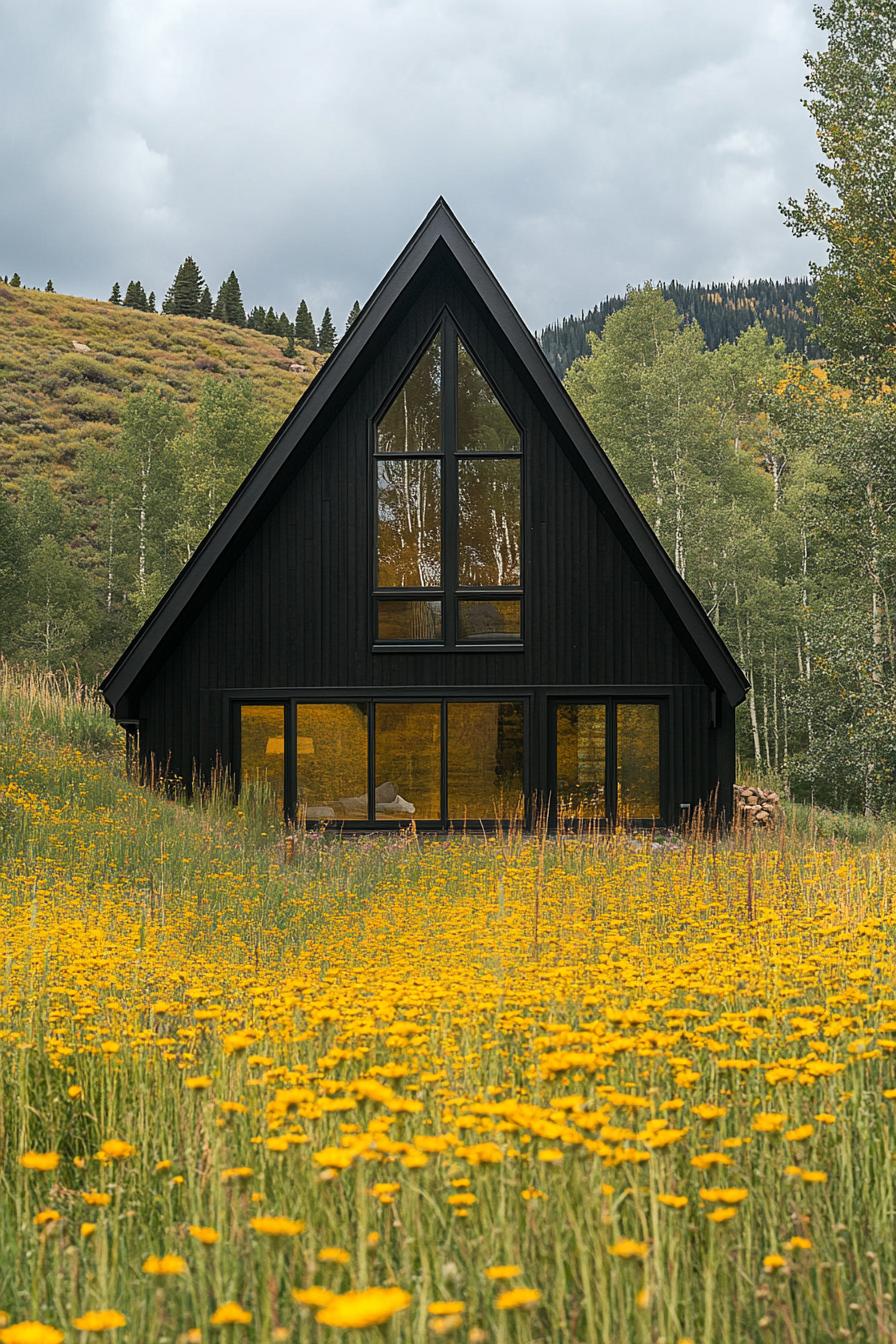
(449, 483)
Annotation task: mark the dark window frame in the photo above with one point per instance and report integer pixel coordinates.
(370, 698)
(449, 593)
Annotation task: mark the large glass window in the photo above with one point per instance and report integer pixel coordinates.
(448, 504)
(608, 760)
(485, 760)
(408, 761)
(582, 761)
(428, 761)
(262, 754)
(638, 761)
(331, 762)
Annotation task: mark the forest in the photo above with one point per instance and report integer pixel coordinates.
(767, 471)
(784, 308)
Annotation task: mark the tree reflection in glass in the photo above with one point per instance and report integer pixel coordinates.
(483, 425)
(409, 523)
(488, 530)
(413, 422)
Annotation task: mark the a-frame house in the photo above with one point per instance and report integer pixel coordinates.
(433, 597)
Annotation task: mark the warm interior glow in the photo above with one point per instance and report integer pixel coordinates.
(485, 760)
(407, 757)
(261, 750)
(331, 763)
(638, 761)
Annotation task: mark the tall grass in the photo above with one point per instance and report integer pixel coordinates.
(647, 1078)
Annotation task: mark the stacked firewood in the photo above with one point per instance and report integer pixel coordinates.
(757, 807)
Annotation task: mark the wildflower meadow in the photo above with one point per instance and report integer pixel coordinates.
(512, 1089)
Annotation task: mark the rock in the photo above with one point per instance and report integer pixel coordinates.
(81, 347)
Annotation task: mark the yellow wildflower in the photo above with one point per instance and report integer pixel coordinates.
(333, 1255)
(315, 1296)
(31, 1332)
(95, 1322)
(113, 1150)
(517, 1297)
(39, 1161)
(368, 1306)
(626, 1248)
(164, 1264)
(276, 1227)
(230, 1313)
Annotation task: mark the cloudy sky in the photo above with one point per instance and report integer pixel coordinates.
(585, 144)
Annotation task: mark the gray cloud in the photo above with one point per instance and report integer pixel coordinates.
(585, 146)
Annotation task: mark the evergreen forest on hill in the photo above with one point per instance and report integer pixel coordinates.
(784, 308)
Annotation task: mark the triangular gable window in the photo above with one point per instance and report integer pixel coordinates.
(448, 562)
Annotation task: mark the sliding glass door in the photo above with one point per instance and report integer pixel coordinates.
(607, 759)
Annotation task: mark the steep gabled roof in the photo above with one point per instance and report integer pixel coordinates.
(440, 228)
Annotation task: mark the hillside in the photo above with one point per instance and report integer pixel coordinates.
(55, 398)
(783, 307)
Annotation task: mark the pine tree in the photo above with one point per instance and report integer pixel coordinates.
(16, 281)
(305, 330)
(151, 302)
(290, 348)
(219, 312)
(48, 288)
(115, 296)
(135, 296)
(326, 337)
(256, 318)
(271, 326)
(236, 313)
(353, 315)
(205, 302)
(184, 296)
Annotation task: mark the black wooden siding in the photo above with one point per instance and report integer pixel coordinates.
(293, 609)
